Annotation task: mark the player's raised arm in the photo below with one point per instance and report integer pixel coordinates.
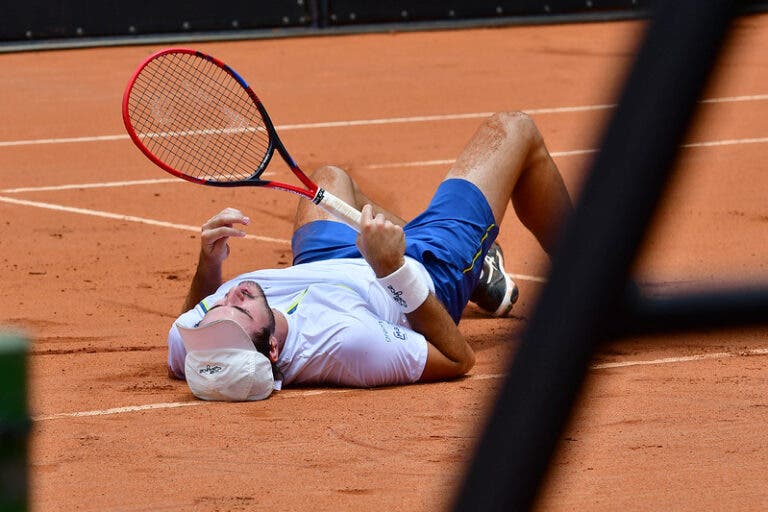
(214, 249)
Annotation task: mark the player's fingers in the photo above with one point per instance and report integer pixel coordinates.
(367, 214)
(226, 212)
(210, 236)
(227, 217)
(367, 220)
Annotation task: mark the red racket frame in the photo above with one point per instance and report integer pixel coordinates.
(274, 141)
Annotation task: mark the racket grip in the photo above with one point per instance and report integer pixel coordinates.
(338, 208)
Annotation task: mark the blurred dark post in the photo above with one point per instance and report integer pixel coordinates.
(14, 423)
(584, 301)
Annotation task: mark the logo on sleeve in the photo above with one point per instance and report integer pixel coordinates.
(397, 296)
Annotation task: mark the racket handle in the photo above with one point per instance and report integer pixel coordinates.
(338, 208)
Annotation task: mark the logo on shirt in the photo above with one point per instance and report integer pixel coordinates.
(211, 370)
(397, 332)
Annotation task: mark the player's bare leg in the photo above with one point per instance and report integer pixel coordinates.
(339, 183)
(507, 159)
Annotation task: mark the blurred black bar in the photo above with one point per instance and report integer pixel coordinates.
(701, 310)
(585, 290)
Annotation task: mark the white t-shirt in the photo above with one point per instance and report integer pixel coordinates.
(343, 328)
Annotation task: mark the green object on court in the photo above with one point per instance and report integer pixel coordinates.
(14, 422)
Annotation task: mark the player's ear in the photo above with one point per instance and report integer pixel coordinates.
(273, 350)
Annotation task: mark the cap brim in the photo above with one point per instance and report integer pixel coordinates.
(216, 335)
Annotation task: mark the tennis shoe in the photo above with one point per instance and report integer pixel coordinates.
(496, 292)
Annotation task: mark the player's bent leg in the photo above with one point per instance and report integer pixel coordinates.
(507, 159)
(336, 181)
(540, 198)
(496, 156)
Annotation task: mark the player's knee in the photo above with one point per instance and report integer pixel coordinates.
(517, 125)
(330, 177)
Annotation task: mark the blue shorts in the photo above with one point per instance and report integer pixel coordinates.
(450, 239)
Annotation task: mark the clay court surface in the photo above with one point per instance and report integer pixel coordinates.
(97, 247)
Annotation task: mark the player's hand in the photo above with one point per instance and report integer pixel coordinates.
(381, 242)
(215, 233)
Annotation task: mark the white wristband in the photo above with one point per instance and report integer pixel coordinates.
(406, 287)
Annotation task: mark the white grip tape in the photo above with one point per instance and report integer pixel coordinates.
(406, 287)
(338, 208)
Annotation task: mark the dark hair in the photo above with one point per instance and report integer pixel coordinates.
(261, 338)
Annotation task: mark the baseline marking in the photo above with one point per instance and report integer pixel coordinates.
(556, 154)
(372, 122)
(315, 392)
(129, 218)
(683, 359)
(106, 184)
(116, 410)
(423, 163)
(89, 185)
(525, 277)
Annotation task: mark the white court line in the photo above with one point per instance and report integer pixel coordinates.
(521, 277)
(683, 359)
(449, 161)
(173, 405)
(107, 184)
(328, 124)
(424, 163)
(184, 227)
(525, 277)
(730, 142)
(116, 410)
(129, 218)
(733, 99)
(372, 122)
(558, 154)
(63, 140)
(316, 392)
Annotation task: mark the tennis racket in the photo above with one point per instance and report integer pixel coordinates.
(197, 119)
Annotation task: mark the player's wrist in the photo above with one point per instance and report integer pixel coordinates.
(406, 287)
(383, 268)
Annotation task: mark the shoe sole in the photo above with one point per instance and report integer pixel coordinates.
(509, 298)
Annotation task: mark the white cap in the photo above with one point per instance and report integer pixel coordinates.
(223, 364)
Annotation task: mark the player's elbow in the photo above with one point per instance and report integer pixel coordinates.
(439, 367)
(466, 363)
(462, 366)
(471, 362)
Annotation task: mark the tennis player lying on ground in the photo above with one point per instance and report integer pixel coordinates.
(377, 309)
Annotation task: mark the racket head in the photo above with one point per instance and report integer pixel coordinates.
(196, 118)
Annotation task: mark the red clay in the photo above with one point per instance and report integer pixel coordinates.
(97, 295)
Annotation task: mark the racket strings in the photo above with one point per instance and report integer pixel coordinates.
(197, 118)
(203, 92)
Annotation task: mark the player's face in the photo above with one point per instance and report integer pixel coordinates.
(245, 304)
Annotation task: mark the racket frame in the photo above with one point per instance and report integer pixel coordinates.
(317, 195)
